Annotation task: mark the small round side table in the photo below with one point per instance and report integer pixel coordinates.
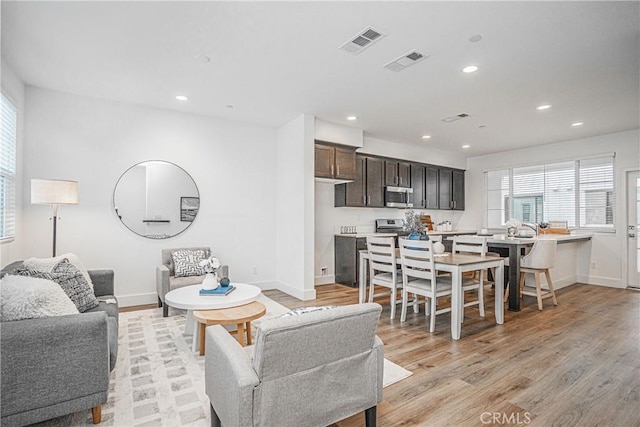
(241, 316)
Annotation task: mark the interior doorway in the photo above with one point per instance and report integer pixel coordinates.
(633, 227)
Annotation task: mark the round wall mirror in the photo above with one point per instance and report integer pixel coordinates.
(156, 199)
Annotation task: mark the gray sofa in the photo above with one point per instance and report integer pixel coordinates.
(55, 366)
(166, 280)
(313, 369)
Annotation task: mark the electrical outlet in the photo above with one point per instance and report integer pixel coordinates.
(594, 265)
(255, 270)
(323, 271)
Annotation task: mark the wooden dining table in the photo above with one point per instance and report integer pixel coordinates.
(457, 265)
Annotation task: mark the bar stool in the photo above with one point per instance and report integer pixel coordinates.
(539, 261)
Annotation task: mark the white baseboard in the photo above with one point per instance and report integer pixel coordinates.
(137, 299)
(601, 281)
(301, 294)
(324, 280)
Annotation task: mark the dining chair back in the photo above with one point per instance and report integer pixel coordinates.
(383, 268)
(476, 245)
(419, 278)
(538, 261)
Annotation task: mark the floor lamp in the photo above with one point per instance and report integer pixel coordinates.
(54, 192)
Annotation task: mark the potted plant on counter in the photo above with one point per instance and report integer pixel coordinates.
(414, 226)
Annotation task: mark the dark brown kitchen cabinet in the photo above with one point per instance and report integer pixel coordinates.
(335, 162)
(451, 191)
(367, 189)
(397, 173)
(431, 184)
(417, 184)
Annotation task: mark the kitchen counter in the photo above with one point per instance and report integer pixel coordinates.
(561, 238)
(451, 233)
(357, 235)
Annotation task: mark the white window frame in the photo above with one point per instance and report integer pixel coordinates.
(8, 168)
(577, 194)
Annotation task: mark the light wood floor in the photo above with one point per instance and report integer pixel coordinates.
(577, 364)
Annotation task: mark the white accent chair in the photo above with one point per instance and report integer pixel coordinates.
(476, 245)
(419, 278)
(311, 369)
(538, 261)
(383, 268)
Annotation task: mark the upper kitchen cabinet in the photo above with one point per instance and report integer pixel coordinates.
(451, 189)
(424, 181)
(367, 190)
(397, 173)
(335, 162)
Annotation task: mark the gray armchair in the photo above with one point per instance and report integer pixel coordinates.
(306, 370)
(166, 280)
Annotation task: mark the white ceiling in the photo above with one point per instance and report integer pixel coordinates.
(275, 60)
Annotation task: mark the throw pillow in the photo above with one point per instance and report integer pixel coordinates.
(48, 264)
(31, 298)
(72, 283)
(303, 310)
(186, 262)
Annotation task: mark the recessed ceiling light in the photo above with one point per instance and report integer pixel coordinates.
(543, 107)
(229, 107)
(466, 146)
(426, 136)
(482, 126)
(182, 97)
(470, 69)
(352, 118)
(475, 38)
(576, 124)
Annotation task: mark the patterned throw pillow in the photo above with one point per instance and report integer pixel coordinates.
(303, 310)
(186, 262)
(71, 281)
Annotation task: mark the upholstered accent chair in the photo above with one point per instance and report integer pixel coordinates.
(166, 279)
(309, 369)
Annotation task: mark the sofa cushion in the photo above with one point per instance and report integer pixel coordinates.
(48, 264)
(186, 262)
(71, 281)
(30, 298)
(108, 304)
(180, 282)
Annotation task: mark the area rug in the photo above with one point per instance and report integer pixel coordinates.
(158, 380)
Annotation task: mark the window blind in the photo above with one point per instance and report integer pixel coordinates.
(597, 195)
(581, 192)
(8, 133)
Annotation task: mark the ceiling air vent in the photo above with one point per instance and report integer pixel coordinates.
(404, 61)
(456, 117)
(362, 40)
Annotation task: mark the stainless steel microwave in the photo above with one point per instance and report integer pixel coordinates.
(398, 197)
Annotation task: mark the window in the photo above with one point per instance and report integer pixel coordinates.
(8, 126)
(579, 192)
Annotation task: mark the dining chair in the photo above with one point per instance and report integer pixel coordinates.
(419, 278)
(539, 260)
(476, 245)
(383, 268)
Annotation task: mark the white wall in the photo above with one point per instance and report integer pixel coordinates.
(295, 151)
(95, 141)
(608, 250)
(13, 89)
(328, 218)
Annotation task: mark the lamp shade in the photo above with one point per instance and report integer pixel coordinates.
(54, 192)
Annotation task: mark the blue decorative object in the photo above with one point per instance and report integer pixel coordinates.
(224, 282)
(413, 236)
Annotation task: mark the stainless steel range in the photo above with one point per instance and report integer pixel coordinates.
(390, 226)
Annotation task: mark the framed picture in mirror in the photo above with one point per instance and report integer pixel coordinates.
(189, 208)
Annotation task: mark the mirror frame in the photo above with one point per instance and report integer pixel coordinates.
(186, 202)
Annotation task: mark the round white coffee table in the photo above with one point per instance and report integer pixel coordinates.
(189, 298)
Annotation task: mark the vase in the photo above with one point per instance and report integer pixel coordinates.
(438, 248)
(210, 281)
(414, 236)
(511, 231)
